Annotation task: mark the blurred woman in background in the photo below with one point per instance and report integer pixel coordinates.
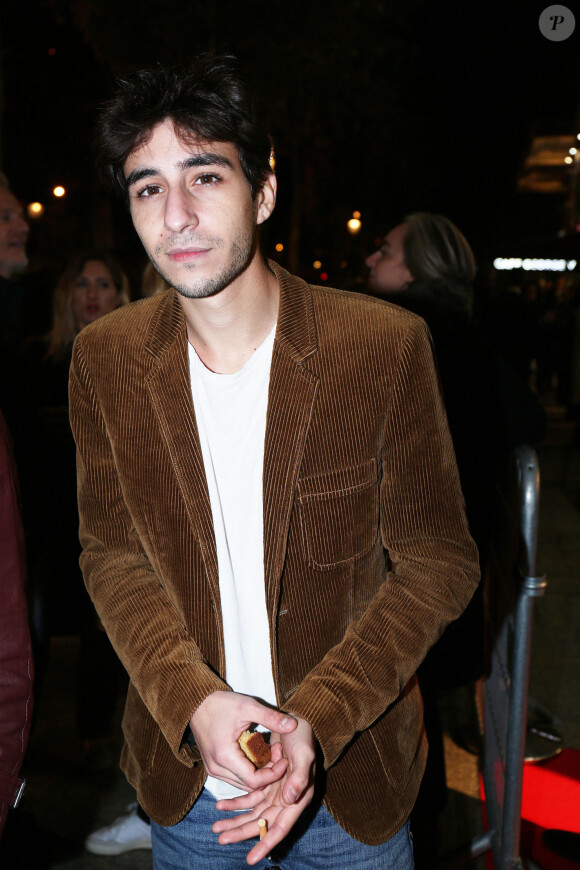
(92, 285)
(426, 265)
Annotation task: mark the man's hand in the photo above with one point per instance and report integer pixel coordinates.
(281, 803)
(216, 725)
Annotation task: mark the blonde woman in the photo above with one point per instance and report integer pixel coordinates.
(92, 285)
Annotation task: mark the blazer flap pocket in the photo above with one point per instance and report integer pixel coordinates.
(340, 482)
(339, 513)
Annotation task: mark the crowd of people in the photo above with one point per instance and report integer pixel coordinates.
(317, 420)
(535, 325)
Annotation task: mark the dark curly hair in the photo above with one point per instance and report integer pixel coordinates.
(208, 101)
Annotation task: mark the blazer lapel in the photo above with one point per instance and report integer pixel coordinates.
(169, 386)
(291, 399)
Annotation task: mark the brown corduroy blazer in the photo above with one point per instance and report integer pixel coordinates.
(366, 549)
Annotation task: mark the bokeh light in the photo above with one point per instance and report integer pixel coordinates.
(35, 209)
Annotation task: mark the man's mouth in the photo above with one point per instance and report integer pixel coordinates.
(185, 255)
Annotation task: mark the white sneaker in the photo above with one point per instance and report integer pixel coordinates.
(123, 835)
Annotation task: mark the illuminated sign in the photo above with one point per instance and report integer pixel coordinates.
(534, 265)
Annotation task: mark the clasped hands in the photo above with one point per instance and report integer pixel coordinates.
(279, 792)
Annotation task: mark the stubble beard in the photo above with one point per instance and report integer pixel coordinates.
(241, 253)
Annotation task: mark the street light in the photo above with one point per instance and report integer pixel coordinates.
(354, 224)
(35, 209)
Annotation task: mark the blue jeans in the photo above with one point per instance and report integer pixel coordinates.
(316, 843)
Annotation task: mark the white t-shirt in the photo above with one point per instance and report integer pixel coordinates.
(231, 418)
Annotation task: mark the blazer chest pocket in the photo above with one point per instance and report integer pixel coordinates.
(339, 514)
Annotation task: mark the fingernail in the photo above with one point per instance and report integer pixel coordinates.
(286, 721)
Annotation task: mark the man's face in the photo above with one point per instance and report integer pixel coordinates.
(13, 235)
(388, 271)
(192, 207)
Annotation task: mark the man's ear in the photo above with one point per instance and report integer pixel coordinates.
(266, 199)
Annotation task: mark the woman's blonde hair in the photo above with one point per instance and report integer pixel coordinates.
(64, 324)
(152, 283)
(437, 253)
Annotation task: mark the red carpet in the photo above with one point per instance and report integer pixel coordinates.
(551, 799)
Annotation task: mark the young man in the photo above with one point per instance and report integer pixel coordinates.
(272, 524)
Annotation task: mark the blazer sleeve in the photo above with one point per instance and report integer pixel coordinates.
(432, 563)
(15, 651)
(162, 659)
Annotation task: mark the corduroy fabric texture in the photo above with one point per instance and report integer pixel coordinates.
(366, 548)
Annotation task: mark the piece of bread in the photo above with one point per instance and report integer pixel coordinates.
(255, 747)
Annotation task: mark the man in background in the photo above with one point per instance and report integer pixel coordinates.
(15, 651)
(13, 259)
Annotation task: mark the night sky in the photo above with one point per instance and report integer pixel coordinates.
(384, 107)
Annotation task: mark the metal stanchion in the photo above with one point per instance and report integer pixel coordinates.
(531, 587)
(512, 589)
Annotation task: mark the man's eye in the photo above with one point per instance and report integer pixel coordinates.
(149, 190)
(207, 178)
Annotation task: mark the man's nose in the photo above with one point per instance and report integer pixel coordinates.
(180, 211)
(372, 259)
